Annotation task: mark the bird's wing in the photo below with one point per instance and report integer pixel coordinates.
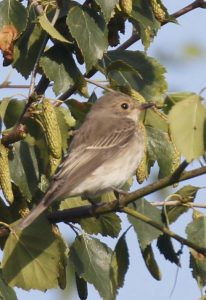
(84, 157)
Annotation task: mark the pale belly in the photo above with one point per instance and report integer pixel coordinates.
(113, 173)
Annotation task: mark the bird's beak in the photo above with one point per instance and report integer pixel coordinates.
(146, 105)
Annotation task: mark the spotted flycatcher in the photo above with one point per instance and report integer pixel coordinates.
(103, 154)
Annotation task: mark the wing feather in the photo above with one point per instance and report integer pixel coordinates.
(83, 158)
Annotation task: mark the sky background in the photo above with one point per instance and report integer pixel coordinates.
(184, 73)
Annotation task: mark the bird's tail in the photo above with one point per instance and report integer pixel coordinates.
(32, 216)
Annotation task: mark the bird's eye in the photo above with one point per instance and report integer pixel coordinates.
(124, 105)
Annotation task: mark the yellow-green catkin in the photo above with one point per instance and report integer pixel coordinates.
(126, 6)
(5, 178)
(176, 159)
(52, 131)
(142, 169)
(53, 164)
(158, 11)
(137, 96)
(24, 212)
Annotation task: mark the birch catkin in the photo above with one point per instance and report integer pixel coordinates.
(51, 127)
(5, 179)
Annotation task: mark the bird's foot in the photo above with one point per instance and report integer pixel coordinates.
(119, 193)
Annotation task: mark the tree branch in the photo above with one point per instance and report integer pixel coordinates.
(163, 229)
(135, 37)
(87, 211)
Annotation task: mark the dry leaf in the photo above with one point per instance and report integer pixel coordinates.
(7, 36)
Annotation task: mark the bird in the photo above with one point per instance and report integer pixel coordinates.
(104, 153)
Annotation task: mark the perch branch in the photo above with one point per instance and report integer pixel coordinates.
(87, 211)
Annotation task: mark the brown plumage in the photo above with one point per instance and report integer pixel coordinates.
(103, 154)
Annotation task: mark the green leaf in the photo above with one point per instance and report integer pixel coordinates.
(166, 248)
(63, 258)
(145, 232)
(12, 12)
(36, 139)
(121, 66)
(173, 98)
(186, 120)
(144, 20)
(156, 119)
(161, 149)
(78, 109)
(59, 66)
(119, 262)
(13, 111)
(3, 106)
(66, 122)
(198, 266)
(26, 49)
(185, 195)
(106, 225)
(107, 7)
(147, 77)
(81, 287)
(196, 232)
(32, 260)
(88, 34)
(91, 260)
(151, 263)
(6, 292)
(51, 30)
(24, 168)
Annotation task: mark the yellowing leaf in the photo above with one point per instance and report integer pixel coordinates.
(186, 120)
(7, 36)
(32, 257)
(13, 13)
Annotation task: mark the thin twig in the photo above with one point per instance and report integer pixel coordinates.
(179, 203)
(99, 84)
(163, 229)
(41, 50)
(135, 37)
(14, 86)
